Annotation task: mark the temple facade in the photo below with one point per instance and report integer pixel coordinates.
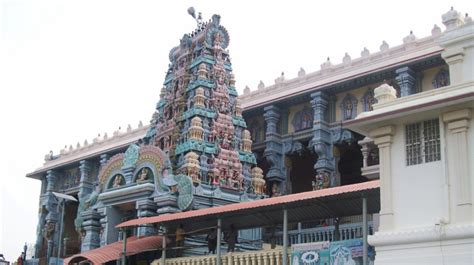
(206, 146)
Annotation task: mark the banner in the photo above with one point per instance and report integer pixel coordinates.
(316, 253)
(347, 252)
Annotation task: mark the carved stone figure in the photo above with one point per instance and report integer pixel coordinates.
(275, 189)
(118, 180)
(143, 175)
(48, 230)
(322, 181)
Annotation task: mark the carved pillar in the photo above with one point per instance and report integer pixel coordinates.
(103, 226)
(146, 208)
(321, 141)
(51, 205)
(459, 160)
(91, 227)
(51, 178)
(406, 80)
(41, 218)
(383, 138)
(103, 159)
(85, 184)
(284, 121)
(273, 146)
(332, 108)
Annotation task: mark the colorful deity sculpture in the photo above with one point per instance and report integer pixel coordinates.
(322, 181)
(198, 119)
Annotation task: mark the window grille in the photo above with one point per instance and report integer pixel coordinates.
(422, 142)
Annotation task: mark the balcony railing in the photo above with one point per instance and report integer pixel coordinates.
(326, 233)
(262, 257)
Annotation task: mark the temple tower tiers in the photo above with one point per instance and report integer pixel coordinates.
(198, 120)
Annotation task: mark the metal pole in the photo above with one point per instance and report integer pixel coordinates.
(219, 231)
(163, 252)
(124, 248)
(60, 231)
(364, 230)
(285, 237)
(299, 233)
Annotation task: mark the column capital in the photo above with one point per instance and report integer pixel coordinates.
(453, 55)
(406, 79)
(84, 165)
(382, 131)
(457, 115)
(320, 95)
(271, 111)
(103, 159)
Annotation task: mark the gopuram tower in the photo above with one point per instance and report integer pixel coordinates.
(197, 152)
(198, 120)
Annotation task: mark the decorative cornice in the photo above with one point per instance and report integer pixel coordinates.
(419, 48)
(99, 146)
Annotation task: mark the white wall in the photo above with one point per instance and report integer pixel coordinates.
(418, 190)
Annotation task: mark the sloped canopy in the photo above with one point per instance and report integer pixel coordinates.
(305, 206)
(114, 251)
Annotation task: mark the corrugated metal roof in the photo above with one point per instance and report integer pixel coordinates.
(114, 251)
(325, 203)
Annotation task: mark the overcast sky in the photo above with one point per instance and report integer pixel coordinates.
(72, 69)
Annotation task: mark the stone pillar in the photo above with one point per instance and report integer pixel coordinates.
(406, 79)
(51, 178)
(146, 208)
(284, 121)
(321, 142)
(85, 184)
(103, 226)
(103, 159)
(273, 146)
(41, 218)
(128, 173)
(51, 204)
(458, 162)
(383, 138)
(91, 227)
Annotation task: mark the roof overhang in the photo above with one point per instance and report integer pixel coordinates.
(305, 206)
(114, 251)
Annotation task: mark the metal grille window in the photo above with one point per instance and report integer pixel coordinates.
(422, 142)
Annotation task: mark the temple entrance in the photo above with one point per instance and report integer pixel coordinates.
(351, 160)
(71, 238)
(302, 170)
(115, 215)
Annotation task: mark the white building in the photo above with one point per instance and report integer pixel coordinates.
(426, 150)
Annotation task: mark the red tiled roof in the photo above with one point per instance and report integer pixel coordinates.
(275, 201)
(114, 251)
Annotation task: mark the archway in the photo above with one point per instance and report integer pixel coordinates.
(302, 169)
(351, 160)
